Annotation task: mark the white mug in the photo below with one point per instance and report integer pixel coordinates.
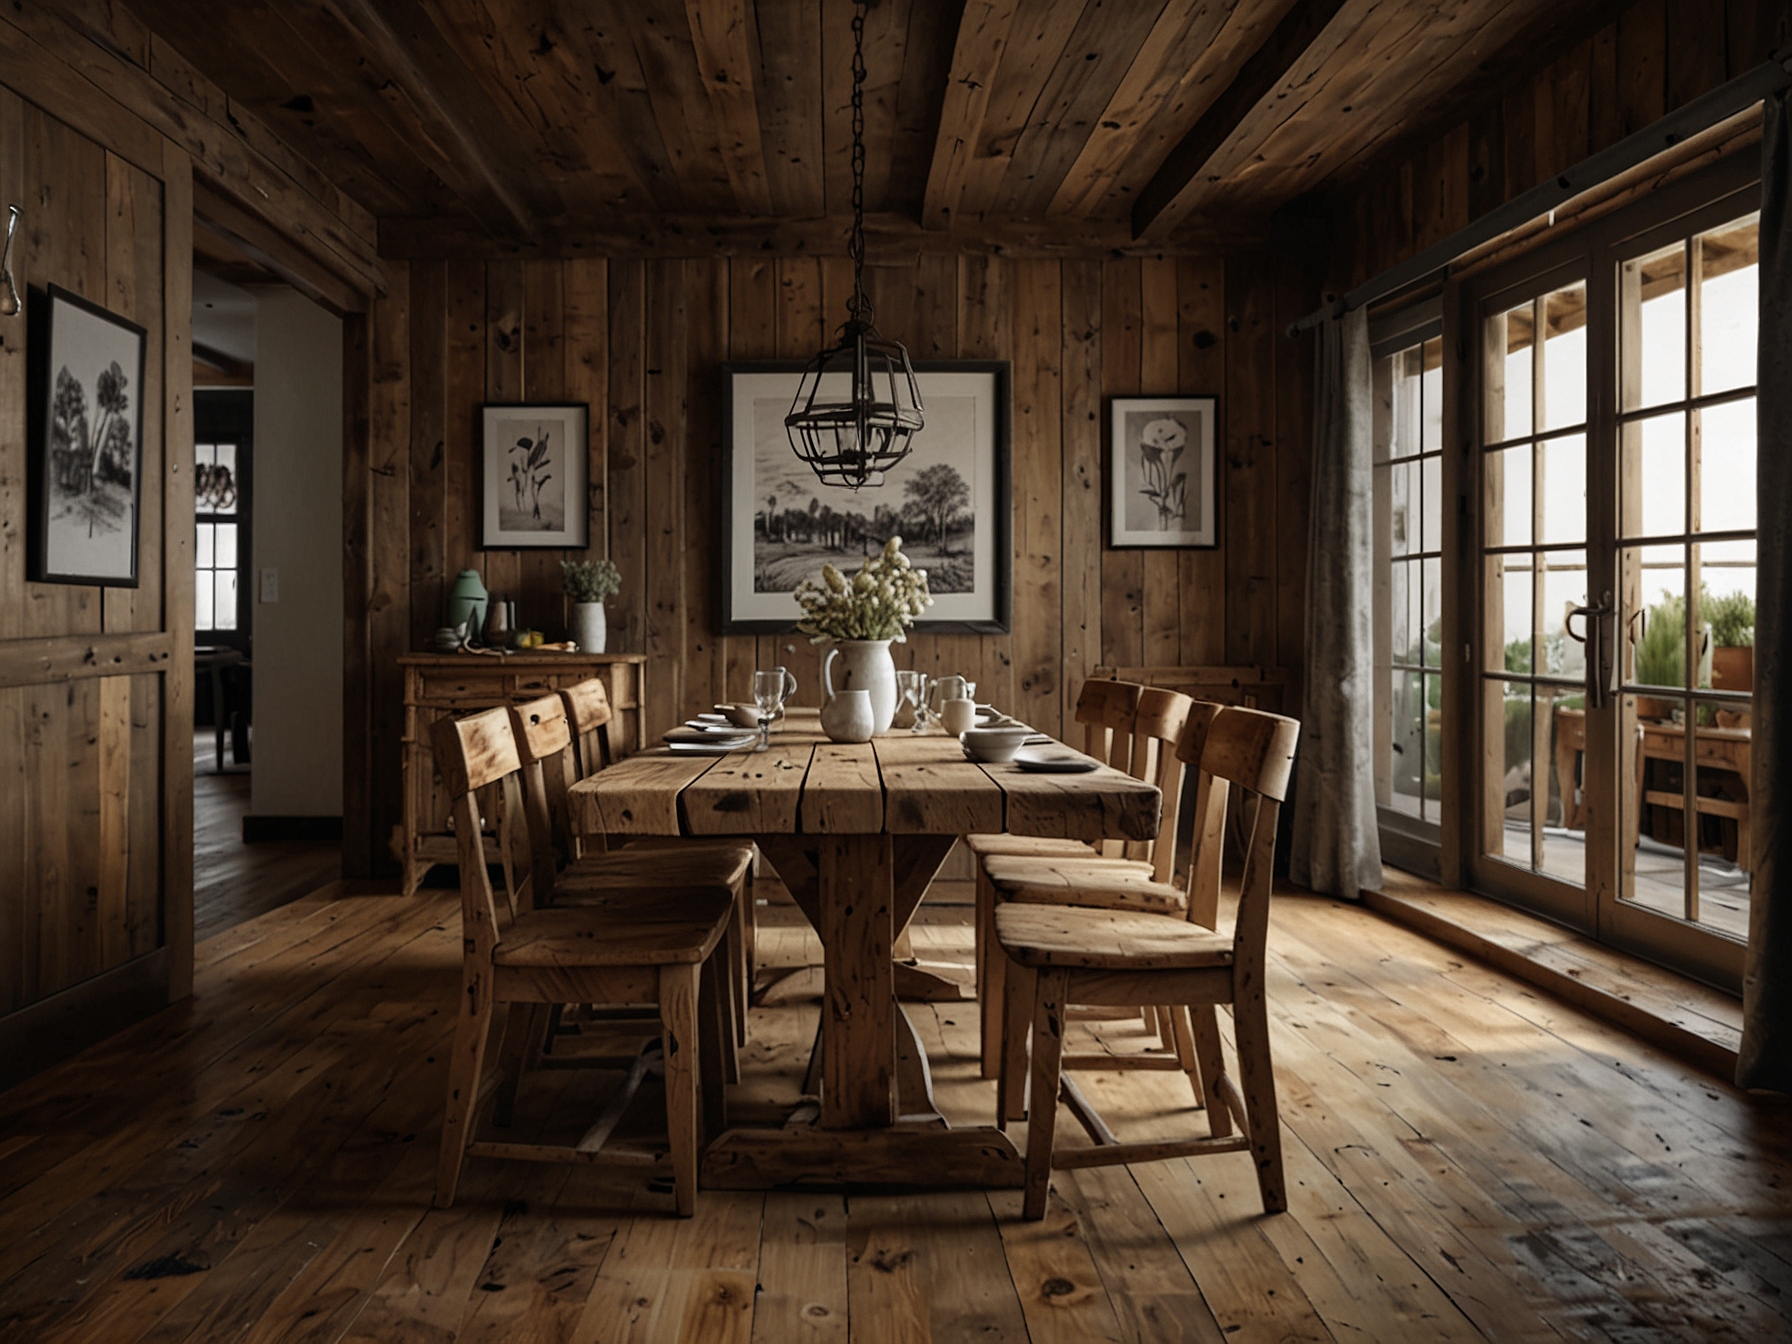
(958, 714)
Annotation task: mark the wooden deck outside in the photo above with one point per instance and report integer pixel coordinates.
(1467, 1159)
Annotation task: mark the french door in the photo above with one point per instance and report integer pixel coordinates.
(1610, 567)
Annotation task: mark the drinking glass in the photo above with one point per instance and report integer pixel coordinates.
(912, 687)
(769, 689)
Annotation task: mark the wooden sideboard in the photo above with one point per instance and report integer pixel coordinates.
(437, 685)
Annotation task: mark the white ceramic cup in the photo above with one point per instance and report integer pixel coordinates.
(958, 714)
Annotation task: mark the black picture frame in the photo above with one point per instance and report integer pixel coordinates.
(85, 500)
(985, 609)
(502, 426)
(1180, 484)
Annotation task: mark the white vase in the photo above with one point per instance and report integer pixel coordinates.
(588, 629)
(865, 665)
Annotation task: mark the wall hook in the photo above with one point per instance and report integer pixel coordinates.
(9, 292)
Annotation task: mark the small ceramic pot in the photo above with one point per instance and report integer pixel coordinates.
(848, 717)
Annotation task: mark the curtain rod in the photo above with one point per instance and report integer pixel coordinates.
(1702, 113)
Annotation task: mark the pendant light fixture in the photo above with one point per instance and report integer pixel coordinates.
(850, 433)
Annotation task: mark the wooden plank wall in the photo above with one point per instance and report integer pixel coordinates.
(1656, 56)
(89, 829)
(641, 341)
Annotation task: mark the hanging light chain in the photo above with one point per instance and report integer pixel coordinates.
(855, 246)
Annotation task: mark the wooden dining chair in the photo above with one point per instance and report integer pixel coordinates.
(1061, 955)
(644, 947)
(1157, 720)
(589, 716)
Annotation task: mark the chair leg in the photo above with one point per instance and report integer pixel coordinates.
(715, 1041)
(1257, 1081)
(1017, 1017)
(740, 964)
(1213, 1064)
(727, 965)
(465, 1066)
(992, 966)
(1186, 1054)
(525, 1033)
(679, 1034)
(1048, 1056)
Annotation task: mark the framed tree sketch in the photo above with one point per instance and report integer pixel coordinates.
(948, 500)
(85, 464)
(1161, 478)
(532, 476)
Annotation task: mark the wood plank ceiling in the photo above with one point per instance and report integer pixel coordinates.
(1084, 123)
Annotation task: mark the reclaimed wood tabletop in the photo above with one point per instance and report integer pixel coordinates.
(857, 833)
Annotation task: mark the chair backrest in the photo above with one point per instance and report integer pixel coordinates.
(544, 745)
(1106, 710)
(1158, 725)
(474, 753)
(1252, 752)
(589, 712)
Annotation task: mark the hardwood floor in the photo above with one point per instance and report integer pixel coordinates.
(233, 881)
(1467, 1159)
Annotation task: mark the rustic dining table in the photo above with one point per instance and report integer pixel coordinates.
(856, 833)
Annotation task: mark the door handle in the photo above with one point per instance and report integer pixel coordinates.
(1601, 641)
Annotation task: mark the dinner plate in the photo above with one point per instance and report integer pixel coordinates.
(702, 725)
(1044, 761)
(713, 746)
(710, 736)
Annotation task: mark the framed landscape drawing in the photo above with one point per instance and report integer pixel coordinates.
(1161, 478)
(532, 475)
(86, 449)
(948, 500)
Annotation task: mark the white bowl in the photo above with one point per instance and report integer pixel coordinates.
(995, 745)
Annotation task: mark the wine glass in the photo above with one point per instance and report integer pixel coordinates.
(769, 689)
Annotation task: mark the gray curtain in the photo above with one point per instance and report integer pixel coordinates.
(1336, 847)
(1765, 1060)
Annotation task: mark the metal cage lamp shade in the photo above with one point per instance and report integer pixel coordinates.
(852, 440)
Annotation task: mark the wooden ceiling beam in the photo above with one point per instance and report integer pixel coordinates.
(1157, 210)
(722, 33)
(983, 31)
(459, 156)
(890, 239)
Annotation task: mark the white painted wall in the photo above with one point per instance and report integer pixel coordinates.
(298, 531)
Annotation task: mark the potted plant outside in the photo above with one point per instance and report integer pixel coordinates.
(1732, 619)
(1661, 655)
(588, 583)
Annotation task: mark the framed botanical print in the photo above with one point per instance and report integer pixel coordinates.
(533, 467)
(85, 461)
(948, 500)
(1162, 480)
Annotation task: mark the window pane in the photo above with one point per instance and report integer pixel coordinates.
(1564, 587)
(1723, 748)
(1431, 608)
(202, 601)
(1408, 745)
(1564, 856)
(1407, 409)
(203, 550)
(1654, 476)
(1403, 507)
(1508, 495)
(1508, 410)
(226, 546)
(1431, 430)
(1563, 468)
(1727, 605)
(224, 480)
(1399, 612)
(1509, 617)
(1728, 305)
(1657, 633)
(1514, 844)
(224, 613)
(1565, 357)
(1727, 467)
(1653, 328)
(1432, 533)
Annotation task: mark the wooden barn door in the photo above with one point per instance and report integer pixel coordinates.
(95, 682)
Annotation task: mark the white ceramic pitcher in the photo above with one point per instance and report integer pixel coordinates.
(865, 665)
